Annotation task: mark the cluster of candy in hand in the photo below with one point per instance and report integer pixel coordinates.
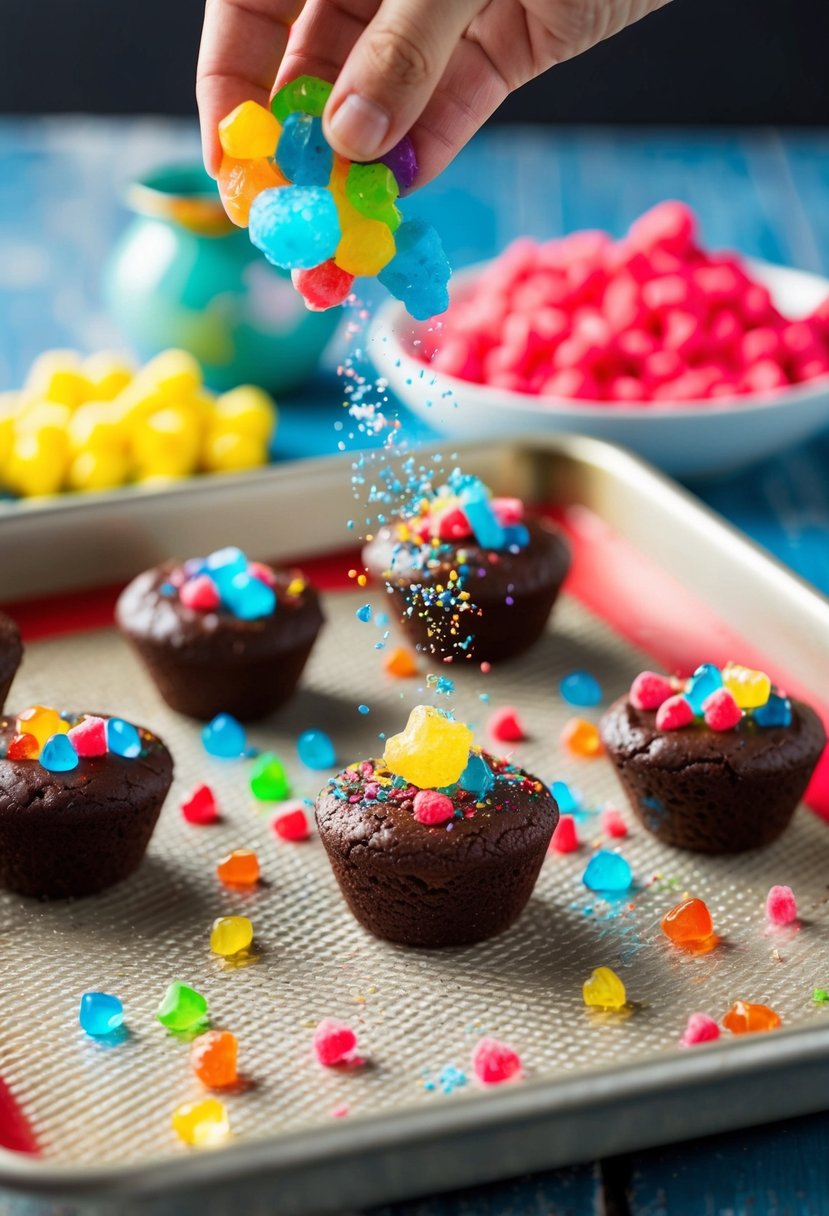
(652, 317)
(97, 423)
(227, 581)
(59, 743)
(464, 510)
(721, 697)
(433, 766)
(320, 216)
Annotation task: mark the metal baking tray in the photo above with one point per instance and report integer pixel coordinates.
(595, 1084)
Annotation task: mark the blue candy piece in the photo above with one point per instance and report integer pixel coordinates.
(516, 536)
(224, 565)
(224, 737)
(580, 688)
(248, 598)
(58, 755)
(566, 799)
(316, 750)
(302, 153)
(296, 227)
(483, 521)
(777, 711)
(419, 271)
(607, 872)
(122, 738)
(100, 1013)
(364, 614)
(705, 680)
(477, 778)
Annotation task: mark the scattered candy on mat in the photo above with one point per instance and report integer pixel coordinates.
(494, 1062)
(565, 838)
(604, 990)
(239, 869)
(268, 779)
(580, 688)
(745, 1018)
(213, 1059)
(607, 872)
(505, 725)
(581, 738)
(181, 1008)
(230, 935)
(334, 1042)
(700, 1029)
(201, 1124)
(200, 807)
(781, 906)
(100, 1013)
(689, 924)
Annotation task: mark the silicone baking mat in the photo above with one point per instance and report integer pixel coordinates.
(416, 1012)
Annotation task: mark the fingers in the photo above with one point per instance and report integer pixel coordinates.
(242, 45)
(392, 71)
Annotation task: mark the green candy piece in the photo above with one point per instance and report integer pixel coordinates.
(372, 189)
(181, 1007)
(390, 216)
(269, 781)
(307, 94)
(820, 996)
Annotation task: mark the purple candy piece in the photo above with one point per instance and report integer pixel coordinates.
(402, 161)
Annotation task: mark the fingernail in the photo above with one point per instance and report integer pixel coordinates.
(360, 125)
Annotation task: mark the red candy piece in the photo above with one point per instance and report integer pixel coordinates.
(673, 714)
(689, 923)
(612, 823)
(292, 825)
(200, 806)
(565, 838)
(264, 573)
(700, 1029)
(334, 1042)
(323, 286)
(781, 906)
(453, 525)
(200, 594)
(649, 690)
(213, 1059)
(669, 226)
(745, 1018)
(505, 725)
(430, 807)
(23, 747)
(721, 710)
(508, 511)
(89, 737)
(494, 1062)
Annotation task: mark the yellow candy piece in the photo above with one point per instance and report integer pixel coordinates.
(749, 688)
(42, 722)
(174, 374)
(95, 424)
(108, 374)
(247, 410)
(347, 213)
(166, 444)
(98, 469)
(241, 180)
(8, 410)
(249, 132)
(231, 452)
(49, 418)
(604, 990)
(201, 1124)
(365, 248)
(230, 934)
(431, 752)
(36, 464)
(56, 375)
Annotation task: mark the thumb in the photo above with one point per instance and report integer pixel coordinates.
(392, 72)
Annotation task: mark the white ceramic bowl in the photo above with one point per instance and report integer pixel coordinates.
(691, 439)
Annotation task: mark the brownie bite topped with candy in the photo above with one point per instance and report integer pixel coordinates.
(438, 843)
(11, 653)
(79, 799)
(716, 763)
(221, 634)
(470, 576)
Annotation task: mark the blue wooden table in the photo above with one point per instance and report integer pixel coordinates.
(763, 193)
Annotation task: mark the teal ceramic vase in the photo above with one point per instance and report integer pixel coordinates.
(182, 275)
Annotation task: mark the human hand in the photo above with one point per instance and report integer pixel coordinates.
(434, 68)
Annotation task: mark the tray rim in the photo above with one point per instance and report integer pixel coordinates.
(536, 1103)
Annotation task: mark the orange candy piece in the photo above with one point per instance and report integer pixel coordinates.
(241, 180)
(213, 1059)
(689, 923)
(239, 869)
(581, 738)
(401, 663)
(744, 1018)
(23, 747)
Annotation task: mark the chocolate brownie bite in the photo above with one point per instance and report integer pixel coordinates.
(470, 578)
(221, 634)
(431, 867)
(716, 763)
(11, 653)
(79, 799)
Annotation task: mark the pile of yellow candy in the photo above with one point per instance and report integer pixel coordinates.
(97, 423)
